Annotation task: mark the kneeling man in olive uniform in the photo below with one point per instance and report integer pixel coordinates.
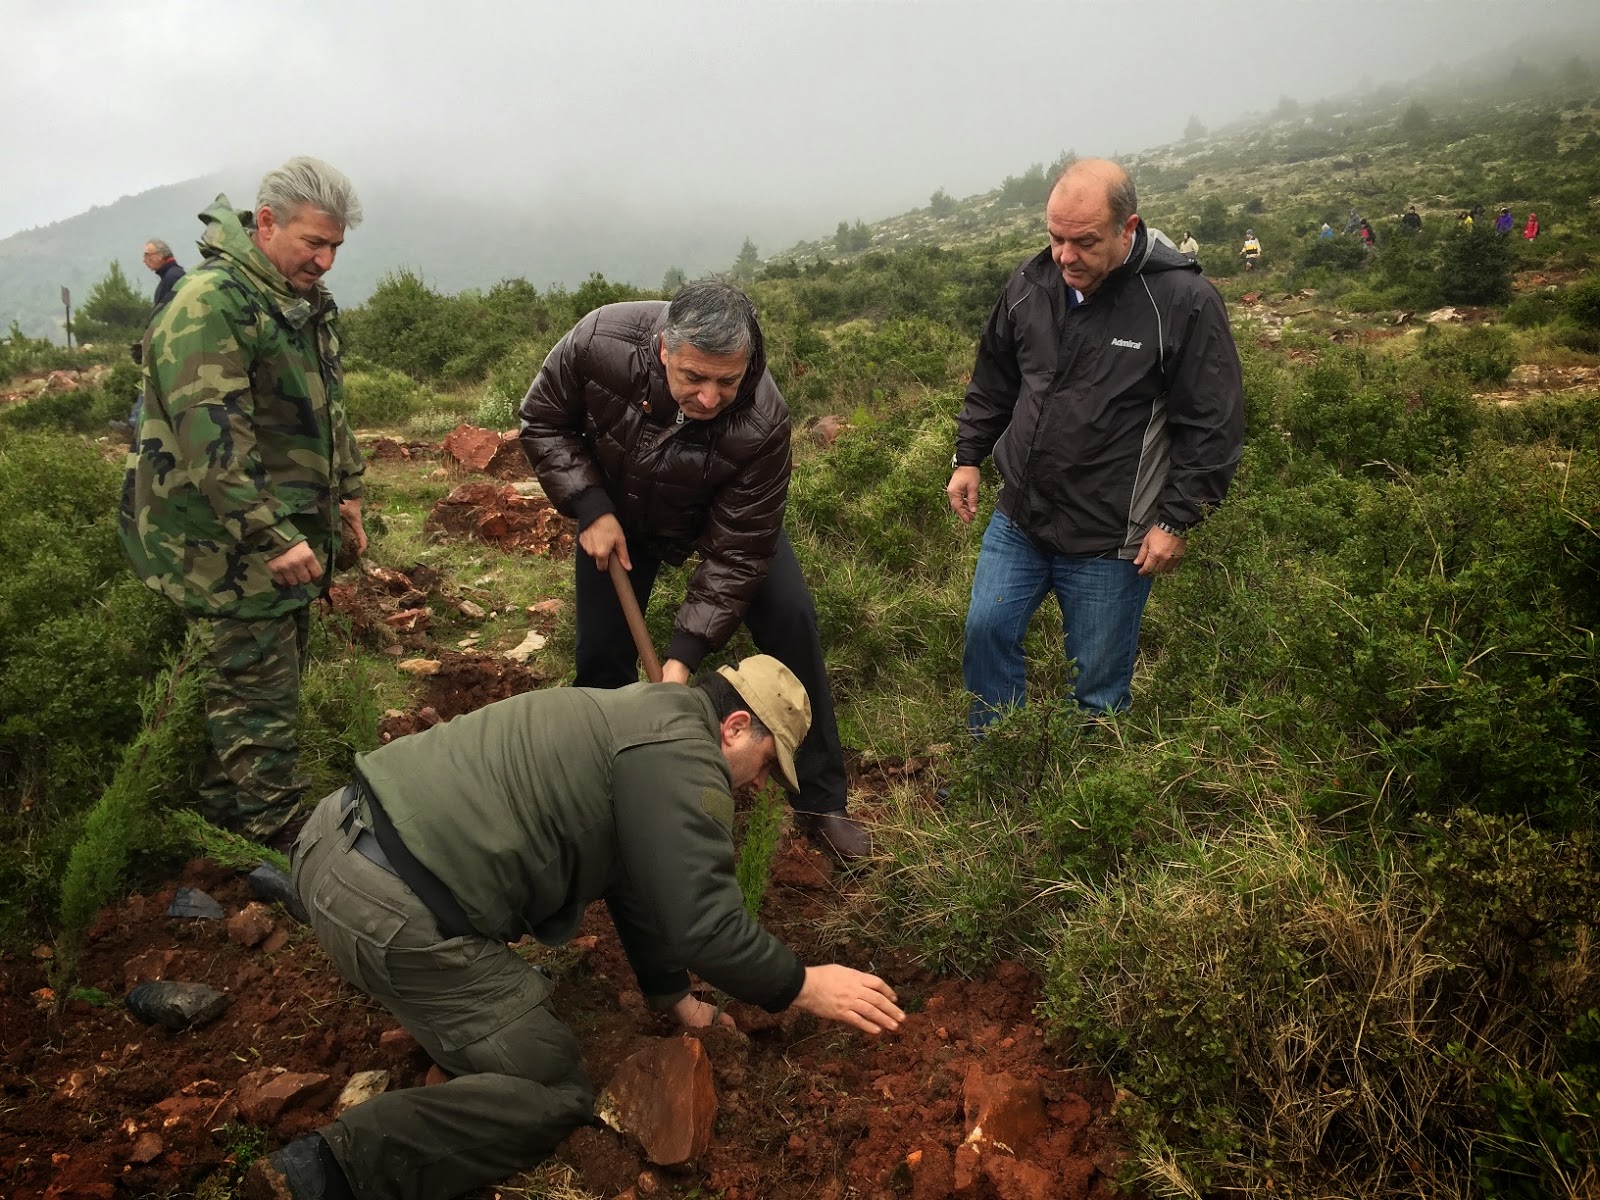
(509, 821)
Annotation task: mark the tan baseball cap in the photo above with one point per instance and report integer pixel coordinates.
(779, 700)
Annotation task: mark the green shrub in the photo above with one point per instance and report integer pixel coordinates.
(381, 397)
(1480, 353)
(1532, 309)
(1363, 301)
(1475, 266)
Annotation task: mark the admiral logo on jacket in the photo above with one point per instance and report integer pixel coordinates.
(1111, 414)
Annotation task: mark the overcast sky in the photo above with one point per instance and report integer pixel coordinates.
(854, 109)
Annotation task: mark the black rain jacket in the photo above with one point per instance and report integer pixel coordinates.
(1111, 415)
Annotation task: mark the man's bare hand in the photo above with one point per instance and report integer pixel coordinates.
(298, 564)
(697, 1014)
(854, 997)
(1159, 552)
(602, 539)
(350, 514)
(963, 493)
(673, 671)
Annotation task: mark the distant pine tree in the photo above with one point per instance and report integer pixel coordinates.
(749, 260)
(113, 311)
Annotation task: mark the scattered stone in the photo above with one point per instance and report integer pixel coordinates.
(391, 580)
(176, 1006)
(147, 1149)
(825, 431)
(73, 1086)
(525, 649)
(363, 1086)
(649, 1183)
(43, 953)
(1441, 316)
(545, 608)
(251, 925)
(664, 1097)
(967, 1172)
(276, 940)
(192, 902)
(933, 1175)
(272, 885)
(471, 611)
(429, 716)
(1003, 1110)
(151, 965)
(420, 666)
(501, 516)
(398, 1041)
(265, 1095)
(1250, 298)
(202, 1104)
(409, 620)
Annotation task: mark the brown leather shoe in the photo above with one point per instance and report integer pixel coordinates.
(836, 834)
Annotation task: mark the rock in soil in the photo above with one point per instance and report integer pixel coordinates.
(665, 1098)
(272, 885)
(192, 902)
(176, 1006)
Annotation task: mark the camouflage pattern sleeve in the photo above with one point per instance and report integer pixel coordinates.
(197, 372)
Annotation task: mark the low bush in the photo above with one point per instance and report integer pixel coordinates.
(1479, 353)
(381, 397)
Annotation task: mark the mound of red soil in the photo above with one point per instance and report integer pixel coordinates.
(385, 449)
(499, 515)
(464, 682)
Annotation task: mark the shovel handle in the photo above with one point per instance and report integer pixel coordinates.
(636, 625)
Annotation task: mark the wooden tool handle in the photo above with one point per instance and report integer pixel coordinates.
(636, 625)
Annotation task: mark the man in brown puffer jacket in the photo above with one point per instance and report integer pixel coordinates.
(658, 429)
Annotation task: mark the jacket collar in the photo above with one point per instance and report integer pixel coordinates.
(227, 238)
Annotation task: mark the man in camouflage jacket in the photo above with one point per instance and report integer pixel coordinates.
(245, 476)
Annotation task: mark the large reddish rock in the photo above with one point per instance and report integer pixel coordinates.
(485, 451)
(664, 1097)
(1003, 1110)
(968, 1173)
(151, 965)
(265, 1095)
(251, 925)
(470, 447)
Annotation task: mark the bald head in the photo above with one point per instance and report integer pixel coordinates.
(1091, 180)
(1092, 218)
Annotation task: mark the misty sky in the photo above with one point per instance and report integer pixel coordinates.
(845, 109)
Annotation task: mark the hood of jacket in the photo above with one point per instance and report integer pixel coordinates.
(753, 373)
(227, 239)
(1149, 256)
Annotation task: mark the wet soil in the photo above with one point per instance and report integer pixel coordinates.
(95, 1105)
(504, 517)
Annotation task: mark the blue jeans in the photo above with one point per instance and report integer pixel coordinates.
(1102, 601)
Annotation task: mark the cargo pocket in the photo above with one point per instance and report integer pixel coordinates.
(465, 989)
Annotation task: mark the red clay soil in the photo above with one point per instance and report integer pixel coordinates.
(464, 682)
(499, 515)
(387, 449)
(95, 1105)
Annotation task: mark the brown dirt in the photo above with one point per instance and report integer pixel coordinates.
(499, 515)
(386, 449)
(807, 1109)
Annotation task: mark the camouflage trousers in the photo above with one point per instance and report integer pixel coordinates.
(252, 700)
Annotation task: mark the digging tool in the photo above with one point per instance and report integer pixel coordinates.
(636, 625)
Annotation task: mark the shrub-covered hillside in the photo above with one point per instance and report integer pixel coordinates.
(1324, 902)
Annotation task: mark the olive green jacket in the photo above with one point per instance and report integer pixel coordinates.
(243, 447)
(530, 809)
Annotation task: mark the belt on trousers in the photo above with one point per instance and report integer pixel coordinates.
(379, 843)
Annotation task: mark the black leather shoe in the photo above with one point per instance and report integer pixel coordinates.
(837, 834)
(302, 1170)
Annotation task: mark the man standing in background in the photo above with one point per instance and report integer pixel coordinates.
(658, 428)
(1108, 389)
(245, 475)
(158, 259)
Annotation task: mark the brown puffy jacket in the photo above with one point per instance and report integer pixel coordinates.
(604, 436)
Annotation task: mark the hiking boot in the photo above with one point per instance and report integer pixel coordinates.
(836, 834)
(302, 1170)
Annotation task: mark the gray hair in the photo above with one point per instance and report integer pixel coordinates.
(1124, 201)
(712, 316)
(159, 247)
(309, 181)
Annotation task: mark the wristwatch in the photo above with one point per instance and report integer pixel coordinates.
(1177, 531)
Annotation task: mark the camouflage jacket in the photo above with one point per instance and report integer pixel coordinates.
(243, 447)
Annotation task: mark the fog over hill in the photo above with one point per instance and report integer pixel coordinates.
(493, 139)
